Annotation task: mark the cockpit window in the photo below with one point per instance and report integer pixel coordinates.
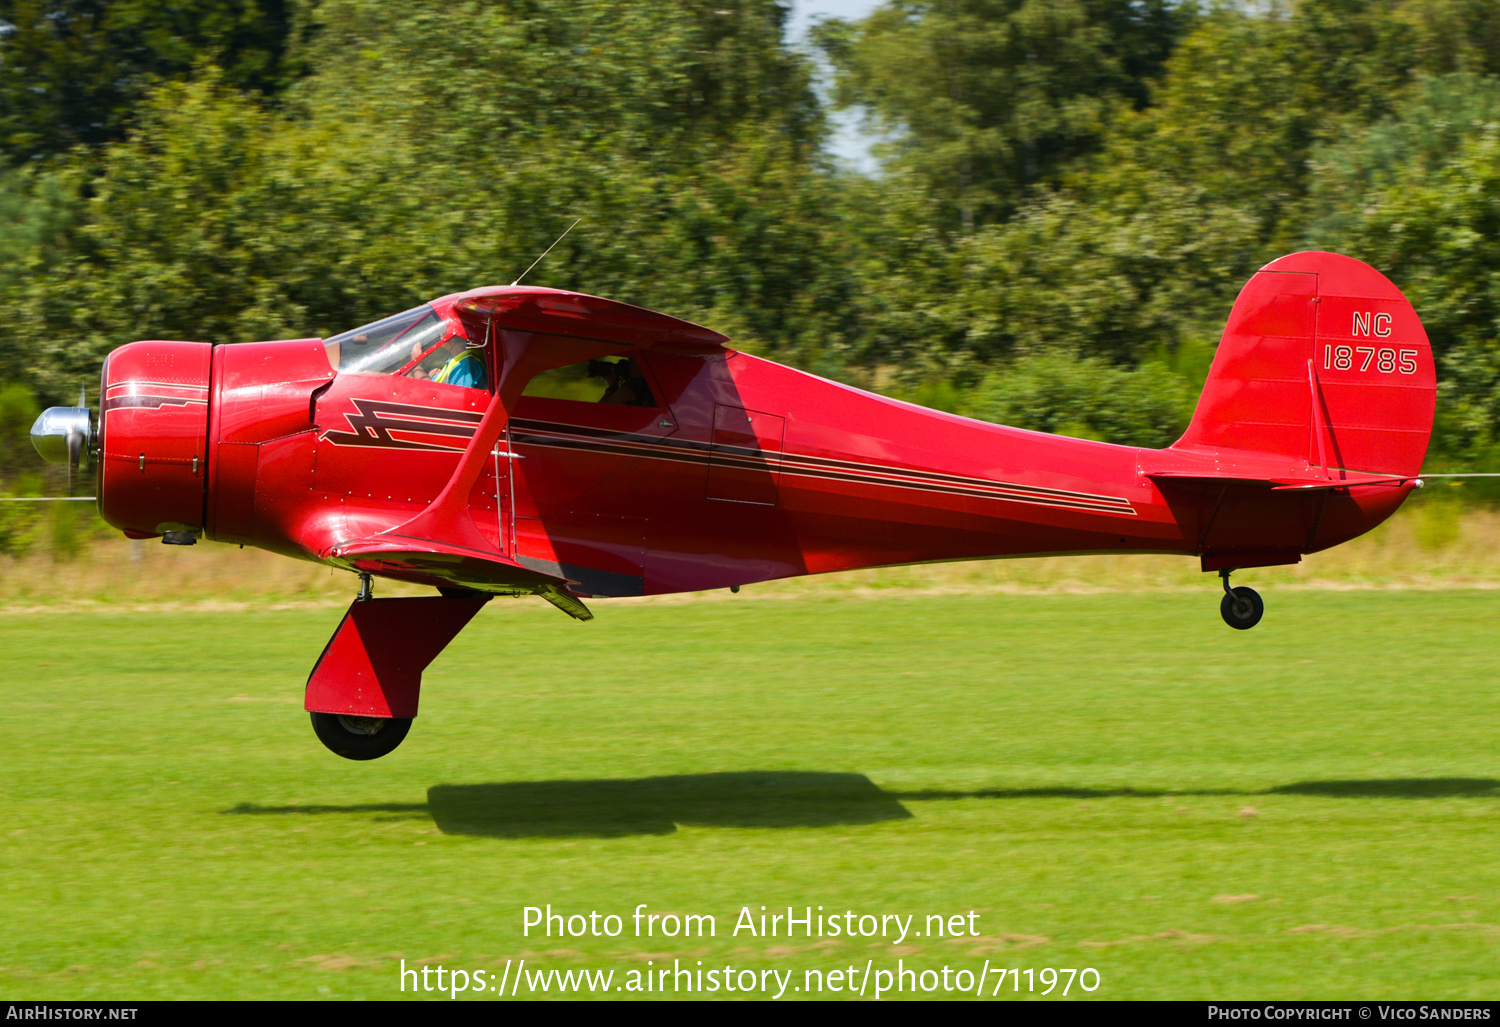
(617, 380)
(388, 345)
(454, 362)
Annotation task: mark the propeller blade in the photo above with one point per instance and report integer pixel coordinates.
(75, 451)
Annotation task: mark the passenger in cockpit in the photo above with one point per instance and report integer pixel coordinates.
(623, 384)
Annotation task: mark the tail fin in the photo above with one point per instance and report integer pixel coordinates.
(1324, 364)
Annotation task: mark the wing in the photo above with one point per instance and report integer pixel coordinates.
(581, 316)
(395, 556)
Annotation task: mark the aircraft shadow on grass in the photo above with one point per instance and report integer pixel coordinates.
(650, 805)
(1376, 788)
(659, 805)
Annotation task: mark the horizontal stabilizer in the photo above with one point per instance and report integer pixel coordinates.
(1282, 482)
(1349, 478)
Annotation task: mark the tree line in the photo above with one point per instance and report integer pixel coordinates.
(1069, 194)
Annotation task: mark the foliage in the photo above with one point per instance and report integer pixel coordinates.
(18, 409)
(1086, 398)
(444, 149)
(1336, 124)
(1440, 236)
(984, 99)
(1421, 137)
(73, 71)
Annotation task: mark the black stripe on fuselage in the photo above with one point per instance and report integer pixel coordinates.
(785, 459)
(630, 444)
(376, 419)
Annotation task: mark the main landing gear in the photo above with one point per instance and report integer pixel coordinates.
(363, 691)
(354, 737)
(360, 738)
(1241, 607)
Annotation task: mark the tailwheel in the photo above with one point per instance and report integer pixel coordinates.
(360, 738)
(1241, 607)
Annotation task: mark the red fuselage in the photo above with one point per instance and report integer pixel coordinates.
(733, 469)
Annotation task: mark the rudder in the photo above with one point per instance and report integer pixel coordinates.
(1325, 363)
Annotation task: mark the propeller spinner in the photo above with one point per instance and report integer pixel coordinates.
(65, 435)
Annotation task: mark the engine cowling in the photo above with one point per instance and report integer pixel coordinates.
(153, 437)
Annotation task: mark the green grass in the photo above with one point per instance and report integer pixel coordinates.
(1096, 775)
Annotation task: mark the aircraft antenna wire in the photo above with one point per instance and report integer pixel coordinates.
(548, 250)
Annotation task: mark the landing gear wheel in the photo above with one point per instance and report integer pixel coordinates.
(360, 738)
(1241, 608)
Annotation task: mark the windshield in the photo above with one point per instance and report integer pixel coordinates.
(386, 346)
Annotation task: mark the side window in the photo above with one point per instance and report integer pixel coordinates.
(614, 380)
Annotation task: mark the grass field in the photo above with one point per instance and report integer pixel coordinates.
(1310, 809)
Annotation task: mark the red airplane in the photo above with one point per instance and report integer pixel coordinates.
(527, 441)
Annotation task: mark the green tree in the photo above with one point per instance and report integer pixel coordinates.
(984, 99)
(1454, 35)
(1085, 398)
(37, 210)
(73, 71)
(1438, 237)
(436, 149)
(1142, 246)
(1423, 135)
(18, 409)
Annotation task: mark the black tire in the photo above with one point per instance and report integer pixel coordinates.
(1242, 608)
(360, 738)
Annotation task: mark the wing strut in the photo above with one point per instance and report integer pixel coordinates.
(447, 517)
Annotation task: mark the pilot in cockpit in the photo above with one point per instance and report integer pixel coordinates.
(453, 362)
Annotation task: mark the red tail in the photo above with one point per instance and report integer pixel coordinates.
(1325, 364)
